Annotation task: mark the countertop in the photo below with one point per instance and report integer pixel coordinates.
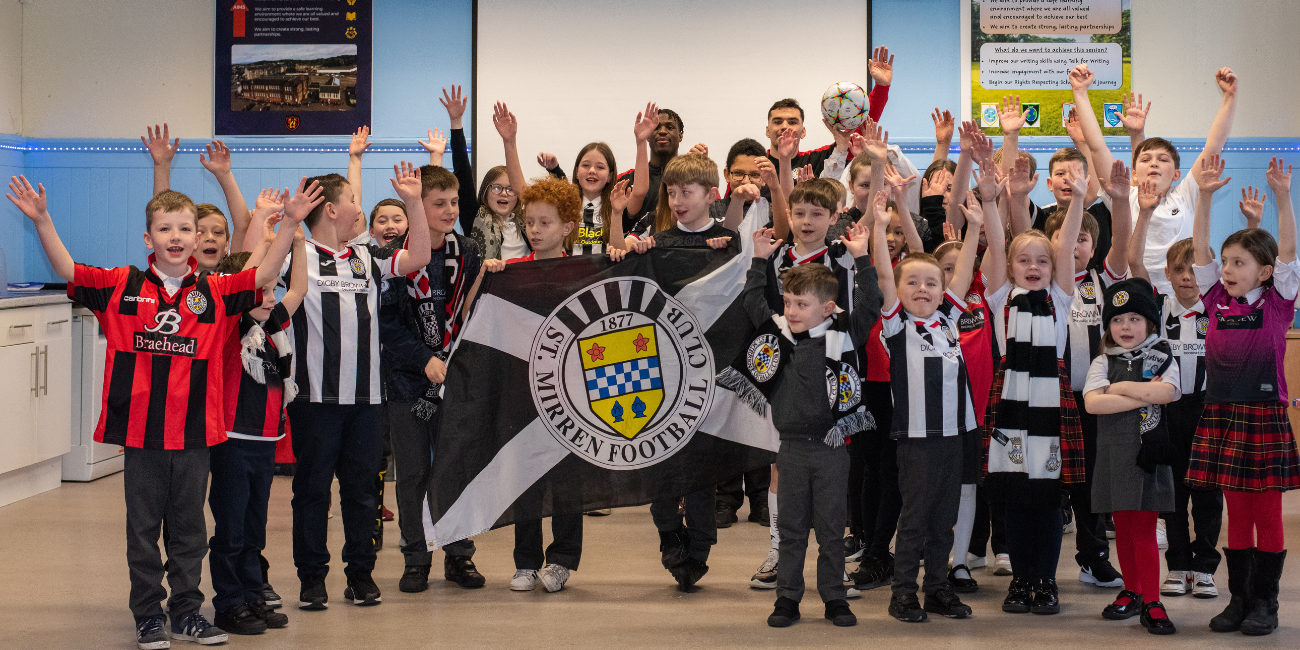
(33, 299)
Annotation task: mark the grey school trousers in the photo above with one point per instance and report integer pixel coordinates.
(929, 479)
(171, 484)
(413, 443)
(811, 494)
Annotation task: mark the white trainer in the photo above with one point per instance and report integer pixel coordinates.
(1002, 565)
(851, 593)
(524, 580)
(1176, 583)
(1203, 585)
(1162, 540)
(765, 578)
(976, 561)
(553, 577)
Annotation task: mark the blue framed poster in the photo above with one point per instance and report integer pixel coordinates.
(293, 67)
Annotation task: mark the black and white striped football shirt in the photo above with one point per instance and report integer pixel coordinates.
(336, 330)
(833, 255)
(1185, 328)
(927, 373)
(591, 230)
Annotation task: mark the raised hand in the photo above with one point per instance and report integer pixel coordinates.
(943, 125)
(876, 140)
(1251, 204)
(360, 142)
(805, 174)
(270, 201)
(1227, 80)
(981, 148)
(895, 180)
(505, 122)
(1210, 170)
(1010, 116)
(304, 200)
(1021, 183)
(857, 144)
(268, 226)
(938, 183)
(882, 66)
(31, 201)
(619, 195)
(1148, 197)
(159, 148)
(950, 232)
(841, 138)
(856, 239)
(437, 142)
(787, 145)
(547, 160)
(966, 133)
(764, 244)
(767, 171)
(646, 122)
(700, 148)
(879, 207)
(218, 158)
(406, 182)
(1078, 186)
(1134, 117)
(455, 104)
(973, 212)
(1080, 77)
(1280, 182)
(990, 184)
(1072, 126)
(1117, 183)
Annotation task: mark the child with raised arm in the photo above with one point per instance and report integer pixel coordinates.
(1156, 159)
(1184, 323)
(172, 317)
(1034, 446)
(258, 359)
(336, 368)
(932, 411)
(1244, 443)
(818, 344)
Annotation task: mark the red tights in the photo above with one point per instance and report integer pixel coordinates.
(1139, 558)
(1255, 520)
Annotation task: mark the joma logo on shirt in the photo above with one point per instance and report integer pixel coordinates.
(155, 343)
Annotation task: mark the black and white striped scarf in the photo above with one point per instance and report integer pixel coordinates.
(1028, 428)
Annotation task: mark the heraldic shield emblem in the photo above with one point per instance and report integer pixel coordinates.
(624, 385)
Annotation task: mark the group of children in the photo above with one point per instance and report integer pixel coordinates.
(938, 360)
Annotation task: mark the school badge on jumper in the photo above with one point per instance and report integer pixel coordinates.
(763, 357)
(1054, 458)
(638, 360)
(1017, 453)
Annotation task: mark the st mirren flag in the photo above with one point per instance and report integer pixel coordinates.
(580, 384)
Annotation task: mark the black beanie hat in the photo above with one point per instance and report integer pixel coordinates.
(1132, 295)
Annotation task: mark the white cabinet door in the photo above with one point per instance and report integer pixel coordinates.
(17, 406)
(54, 404)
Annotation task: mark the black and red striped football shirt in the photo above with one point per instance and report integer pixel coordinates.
(255, 410)
(163, 370)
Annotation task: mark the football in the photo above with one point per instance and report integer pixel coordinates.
(844, 105)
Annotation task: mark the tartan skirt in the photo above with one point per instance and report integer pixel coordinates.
(1244, 446)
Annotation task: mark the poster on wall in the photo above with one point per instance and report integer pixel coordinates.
(292, 67)
(1027, 48)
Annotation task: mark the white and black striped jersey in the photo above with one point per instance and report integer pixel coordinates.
(927, 373)
(834, 256)
(336, 330)
(591, 230)
(1085, 321)
(1185, 328)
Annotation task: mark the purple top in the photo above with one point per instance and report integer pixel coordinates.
(1245, 345)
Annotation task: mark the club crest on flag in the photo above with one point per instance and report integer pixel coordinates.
(622, 374)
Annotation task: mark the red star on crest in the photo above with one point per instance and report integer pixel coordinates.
(641, 343)
(597, 353)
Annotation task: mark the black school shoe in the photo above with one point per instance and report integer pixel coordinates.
(758, 514)
(907, 609)
(271, 598)
(274, 619)
(1126, 605)
(688, 573)
(414, 579)
(784, 614)
(960, 585)
(461, 570)
(1019, 597)
(946, 603)
(1046, 599)
(362, 590)
(724, 516)
(873, 573)
(312, 596)
(240, 619)
(673, 547)
(838, 612)
(1159, 623)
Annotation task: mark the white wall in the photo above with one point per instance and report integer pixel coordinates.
(574, 71)
(105, 69)
(1178, 44)
(11, 71)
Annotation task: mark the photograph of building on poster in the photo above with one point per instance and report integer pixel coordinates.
(1027, 48)
(293, 77)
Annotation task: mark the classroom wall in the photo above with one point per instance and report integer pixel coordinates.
(11, 73)
(90, 81)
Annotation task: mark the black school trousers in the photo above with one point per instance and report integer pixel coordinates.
(171, 484)
(1185, 553)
